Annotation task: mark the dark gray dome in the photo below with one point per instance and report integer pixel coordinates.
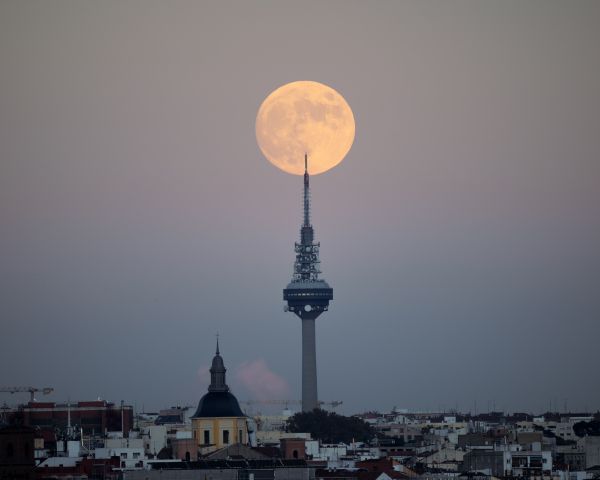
(218, 404)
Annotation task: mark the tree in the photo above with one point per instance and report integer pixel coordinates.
(582, 429)
(329, 427)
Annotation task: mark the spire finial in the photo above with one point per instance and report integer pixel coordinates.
(306, 192)
(217, 373)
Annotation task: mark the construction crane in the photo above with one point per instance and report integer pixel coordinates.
(31, 390)
(333, 404)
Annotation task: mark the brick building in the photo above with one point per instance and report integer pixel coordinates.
(16, 453)
(93, 417)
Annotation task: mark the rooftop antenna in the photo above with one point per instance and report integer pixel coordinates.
(69, 429)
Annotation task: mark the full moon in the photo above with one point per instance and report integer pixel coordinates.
(305, 117)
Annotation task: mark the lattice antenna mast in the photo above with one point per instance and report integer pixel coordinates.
(306, 266)
(306, 193)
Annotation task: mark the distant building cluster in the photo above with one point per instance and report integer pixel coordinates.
(216, 440)
(491, 445)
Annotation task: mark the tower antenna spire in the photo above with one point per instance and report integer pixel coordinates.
(306, 193)
(217, 345)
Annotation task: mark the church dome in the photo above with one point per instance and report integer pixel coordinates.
(219, 401)
(218, 404)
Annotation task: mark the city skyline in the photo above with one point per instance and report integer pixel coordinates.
(139, 217)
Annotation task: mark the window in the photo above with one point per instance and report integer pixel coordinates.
(225, 437)
(241, 437)
(10, 450)
(187, 456)
(206, 437)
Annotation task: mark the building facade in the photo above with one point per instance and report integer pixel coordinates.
(92, 417)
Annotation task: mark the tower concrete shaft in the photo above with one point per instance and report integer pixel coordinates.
(309, 366)
(307, 296)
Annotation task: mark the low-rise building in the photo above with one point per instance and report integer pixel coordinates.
(527, 463)
(90, 417)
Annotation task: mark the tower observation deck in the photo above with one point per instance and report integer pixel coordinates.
(307, 296)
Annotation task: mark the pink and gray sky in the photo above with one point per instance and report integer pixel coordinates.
(461, 234)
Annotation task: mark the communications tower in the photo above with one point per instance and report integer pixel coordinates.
(307, 296)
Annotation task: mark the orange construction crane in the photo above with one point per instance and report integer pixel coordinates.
(31, 390)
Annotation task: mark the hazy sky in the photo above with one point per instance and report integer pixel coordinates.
(461, 234)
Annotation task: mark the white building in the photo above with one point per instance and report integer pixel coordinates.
(129, 450)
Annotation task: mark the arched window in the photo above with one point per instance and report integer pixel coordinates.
(295, 454)
(187, 456)
(225, 437)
